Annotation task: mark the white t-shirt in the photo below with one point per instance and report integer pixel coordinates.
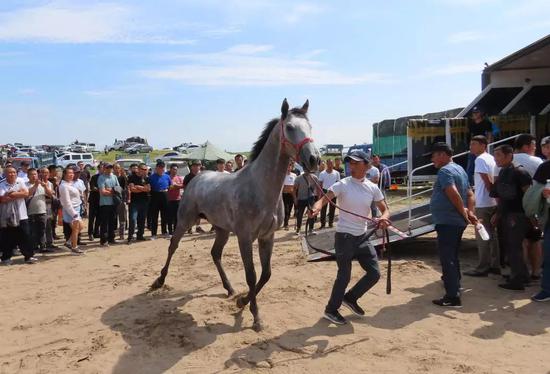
(80, 186)
(223, 171)
(328, 179)
(21, 174)
(530, 163)
(355, 196)
(373, 173)
(289, 179)
(19, 185)
(484, 164)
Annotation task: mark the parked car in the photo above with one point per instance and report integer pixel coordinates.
(171, 156)
(126, 162)
(139, 148)
(117, 146)
(73, 158)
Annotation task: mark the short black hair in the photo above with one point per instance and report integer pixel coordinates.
(239, 155)
(52, 167)
(160, 164)
(142, 165)
(523, 140)
(31, 169)
(220, 161)
(133, 165)
(480, 139)
(173, 166)
(375, 155)
(505, 148)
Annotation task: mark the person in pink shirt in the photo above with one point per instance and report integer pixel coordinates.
(174, 197)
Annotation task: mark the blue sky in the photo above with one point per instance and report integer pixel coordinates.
(197, 70)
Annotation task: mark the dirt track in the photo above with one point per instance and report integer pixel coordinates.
(92, 314)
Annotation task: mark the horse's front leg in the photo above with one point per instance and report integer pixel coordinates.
(245, 246)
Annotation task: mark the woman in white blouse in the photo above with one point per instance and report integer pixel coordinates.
(71, 200)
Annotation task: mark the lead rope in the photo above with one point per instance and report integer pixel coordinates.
(385, 235)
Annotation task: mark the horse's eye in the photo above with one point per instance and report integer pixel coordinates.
(289, 127)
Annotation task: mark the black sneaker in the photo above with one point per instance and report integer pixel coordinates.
(495, 271)
(475, 273)
(141, 239)
(449, 302)
(512, 286)
(354, 307)
(335, 318)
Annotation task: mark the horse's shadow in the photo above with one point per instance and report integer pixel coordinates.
(158, 333)
(493, 306)
(301, 343)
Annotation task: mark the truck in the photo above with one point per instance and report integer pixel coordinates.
(37, 161)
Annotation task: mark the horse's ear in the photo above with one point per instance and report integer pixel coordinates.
(284, 109)
(305, 106)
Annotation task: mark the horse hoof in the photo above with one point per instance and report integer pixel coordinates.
(157, 284)
(241, 302)
(257, 326)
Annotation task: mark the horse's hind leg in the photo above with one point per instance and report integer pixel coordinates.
(265, 249)
(221, 239)
(181, 229)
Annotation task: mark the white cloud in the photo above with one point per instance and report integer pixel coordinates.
(248, 65)
(454, 69)
(60, 23)
(299, 11)
(27, 91)
(465, 36)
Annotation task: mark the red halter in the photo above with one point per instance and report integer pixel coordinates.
(297, 147)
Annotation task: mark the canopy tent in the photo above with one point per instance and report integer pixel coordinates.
(208, 152)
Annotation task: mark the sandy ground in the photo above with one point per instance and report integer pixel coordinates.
(93, 314)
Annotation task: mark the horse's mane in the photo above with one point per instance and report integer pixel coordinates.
(260, 143)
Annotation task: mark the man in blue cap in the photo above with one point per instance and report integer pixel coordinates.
(355, 194)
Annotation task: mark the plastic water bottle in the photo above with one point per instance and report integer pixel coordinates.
(548, 186)
(482, 232)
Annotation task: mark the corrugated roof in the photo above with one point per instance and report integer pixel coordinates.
(540, 47)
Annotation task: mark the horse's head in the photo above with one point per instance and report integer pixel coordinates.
(296, 136)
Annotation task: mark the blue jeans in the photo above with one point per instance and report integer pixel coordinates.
(448, 244)
(138, 214)
(545, 283)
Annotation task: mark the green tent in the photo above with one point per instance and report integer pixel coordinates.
(208, 152)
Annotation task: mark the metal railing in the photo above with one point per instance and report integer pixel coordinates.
(410, 179)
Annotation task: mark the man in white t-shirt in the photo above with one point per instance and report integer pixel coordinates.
(288, 193)
(524, 154)
(355, 194)
(327, 178)
(485, 208)
(14, 221)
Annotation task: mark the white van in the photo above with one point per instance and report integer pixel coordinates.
(74, 158)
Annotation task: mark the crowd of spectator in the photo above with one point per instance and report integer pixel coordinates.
(506, 198)
(119, 205)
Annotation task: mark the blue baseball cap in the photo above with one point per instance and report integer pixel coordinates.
(357, 155)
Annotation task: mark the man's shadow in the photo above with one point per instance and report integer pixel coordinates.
(158, 333)
(303, 343)
(492, 305)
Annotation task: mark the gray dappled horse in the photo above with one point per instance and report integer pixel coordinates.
(248, 202)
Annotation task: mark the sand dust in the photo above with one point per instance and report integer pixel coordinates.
(93, 314)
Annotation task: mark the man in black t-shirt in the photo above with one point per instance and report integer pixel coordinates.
(509, 188)
(139, 188)
(480, 125)
(93, 205)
